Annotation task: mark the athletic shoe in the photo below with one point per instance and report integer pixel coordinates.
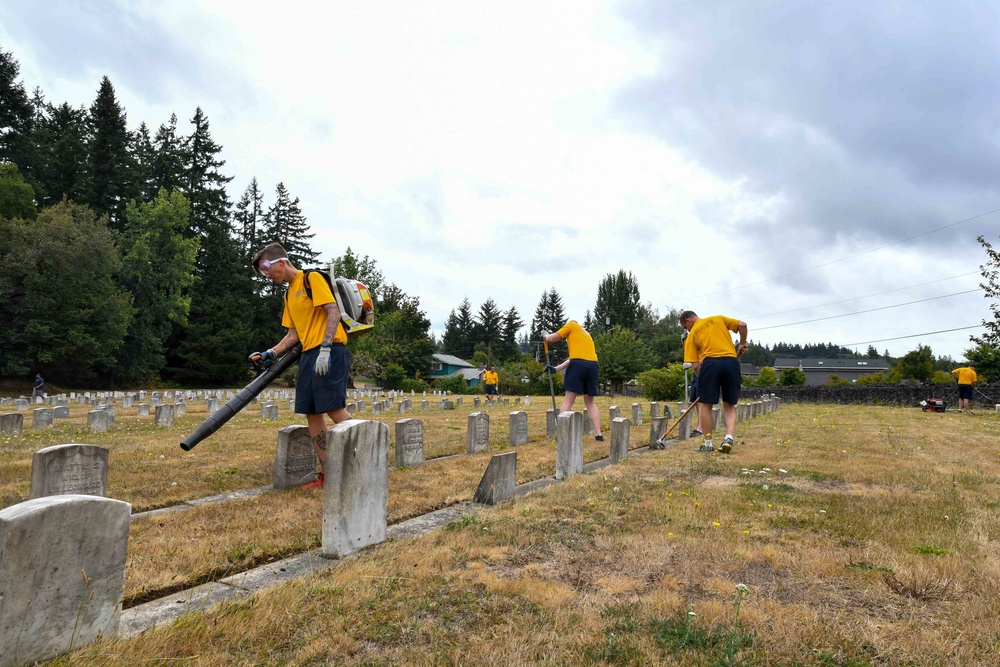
(706, 448)
(316, 483)
(695, 433)
(599, 438)
(727, 445)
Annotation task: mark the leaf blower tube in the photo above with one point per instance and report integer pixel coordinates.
(241, 399)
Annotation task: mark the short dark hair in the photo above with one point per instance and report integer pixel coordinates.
(269, 252)
(687, 315)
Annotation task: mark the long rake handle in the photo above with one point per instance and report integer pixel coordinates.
(552, 387)
(683, 415)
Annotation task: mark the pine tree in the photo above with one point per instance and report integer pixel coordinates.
(15, 115)
(618, 301)
(285, 224)
(62, 163)
(488, 328)
(249, 218)
(508, 349)
(169, 158)
(107, 145)
(549, 317)
(459, 332)
(142, 160)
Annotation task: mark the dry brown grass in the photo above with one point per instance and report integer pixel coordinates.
(878, 546)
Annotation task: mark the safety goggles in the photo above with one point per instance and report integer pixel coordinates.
(264, 266)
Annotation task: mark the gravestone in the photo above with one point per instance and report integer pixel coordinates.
(550, 423)
(499, 480)
(657, 427)
(295, 458)
(21, 404)
(377, 408)
(654, 410)
(97, 421)
(619, 439)
(60, 412)
(144, 409)
(127, 401)
(211, 405)
(269, 411)
(401, 407)
(409, 443)
(614, 412)
(687, 423)
(180, 409)
(588, 426)
(458, 401)
(42, 417)
(356, 492)
(164, 415)
(517, 400)
(69, 469)
(527, 400)
(62, 575)
(352, 407)
(518, 428)
(569, 444)
(424, 405)
(636, 414)
(11, 424)
(475, 402)
(111, 414)
(478, 435)
(361, 406)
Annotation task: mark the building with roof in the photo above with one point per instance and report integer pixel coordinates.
(445, 365)
(818, 371)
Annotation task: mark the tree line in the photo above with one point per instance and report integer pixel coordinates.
(126, 263)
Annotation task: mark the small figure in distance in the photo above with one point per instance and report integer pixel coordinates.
(966, 383)
(39, 388)
(491, 384)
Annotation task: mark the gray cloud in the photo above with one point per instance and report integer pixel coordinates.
(871, 120)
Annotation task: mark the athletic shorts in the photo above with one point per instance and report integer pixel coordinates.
(581, 377)
(965, 391)
(490, 389)
(719, 375)
(319, 394)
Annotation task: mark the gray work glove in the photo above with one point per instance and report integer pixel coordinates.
(323, 360)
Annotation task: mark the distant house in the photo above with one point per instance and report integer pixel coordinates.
(818, 371)
(445, 365)
(749, 370)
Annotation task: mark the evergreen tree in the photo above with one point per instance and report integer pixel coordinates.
(158, 270)
(618, 301)
(249, 218)
(623, 355)
(285, 224)
(142, 159)
(991, 286)
(107, 145)
(15, 114)
(488, 328)
(17, 199)
(459, 332)
(61, 163)
(509, 349)
(365, 269)
(549, 317)
(169, 158)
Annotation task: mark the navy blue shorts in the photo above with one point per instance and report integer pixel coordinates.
(319, 394)
(719, 375)
(490, 389)
(965, 391)
(581, 377)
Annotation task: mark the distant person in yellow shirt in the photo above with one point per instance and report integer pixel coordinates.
(581, 370)
(966, 381)
(709, 349)
(490, 384)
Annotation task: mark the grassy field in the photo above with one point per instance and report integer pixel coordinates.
(833, 535)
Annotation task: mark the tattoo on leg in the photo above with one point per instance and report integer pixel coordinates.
(320, 441)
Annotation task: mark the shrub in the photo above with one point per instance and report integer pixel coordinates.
(663, 384)
(791, 377)
(767, 377)
(456, 384)
(413, 385)
(393, 376)
(835, 380)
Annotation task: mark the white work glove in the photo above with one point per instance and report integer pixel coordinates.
(323, 360)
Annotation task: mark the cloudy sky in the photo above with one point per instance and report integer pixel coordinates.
(789, 163)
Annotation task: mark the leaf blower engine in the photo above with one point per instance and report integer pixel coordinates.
(357, 309)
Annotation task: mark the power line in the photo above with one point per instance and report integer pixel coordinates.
(834, 303)
(929, 333)
(870, 310)
(834, 261)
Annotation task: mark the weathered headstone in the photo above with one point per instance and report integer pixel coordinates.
(180, 409)
(97, 421)
(654, 410)
(401, 407)
(69, 469)
(424, 405)
(518, 428)
(569, 444)
(409, 443)
(164, 415)
(475, 402)
(588, 426)
(211, 405)
(143, 410)
(62, 575)
(42, 417)
(269, 411)
(636, 414)
(356, 492)
(550, 423)
(295, 458)
(11, 424)
(499, 480)
(60, 412)
(458, 401)
(657, 428)
(614, 412)
(478, 436)
(619, 439)
(127, 401)
(527, 400)
(21, 404)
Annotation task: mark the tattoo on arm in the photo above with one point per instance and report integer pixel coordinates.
(320, 441)
(332, 320)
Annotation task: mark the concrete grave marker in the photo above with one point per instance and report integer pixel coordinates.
(69, 469)
(294, 459)
(164, 415)
(657, 427)
(475, 402)
(42, 417)
(269, 411)
(499, 480)
(211, 405)
(180, 409)
(550, 423)
(143, 409)
(409, 443)
(97, 421)
(518, 428)
(478, 436)
(569, 444)
(636, 414)
(11, 424)
(654, 410)
(614, 412)
(60, 412)
(356, 492)
(21, 404)
(62, 575)
(588, 426)
(619, 439)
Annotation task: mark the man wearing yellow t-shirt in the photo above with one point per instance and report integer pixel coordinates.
(490, 384)
(709, 349)
(581, 370)
(966, 381)
(321, 387)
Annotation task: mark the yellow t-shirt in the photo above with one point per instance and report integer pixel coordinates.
(709, 337)
(490, 378)
(581, 345)
(307, 317)
(965, 375)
